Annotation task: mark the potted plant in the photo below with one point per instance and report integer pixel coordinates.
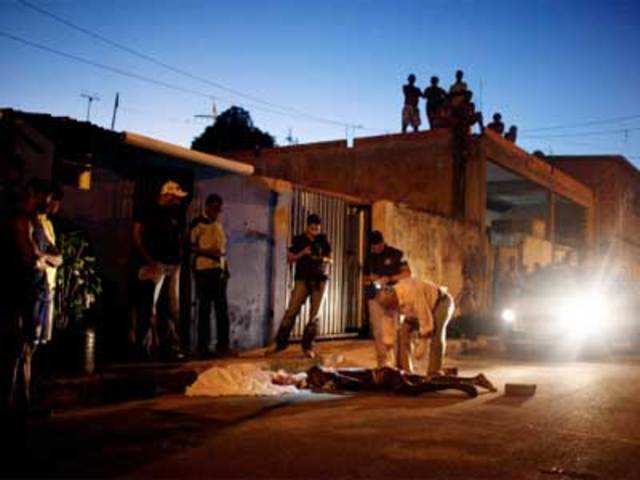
(78, 286)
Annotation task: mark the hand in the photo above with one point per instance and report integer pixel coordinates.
(54, 260)
(306, 251)
(424, 335)
(155, 268)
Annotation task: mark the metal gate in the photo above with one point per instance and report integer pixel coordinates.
(344, 224)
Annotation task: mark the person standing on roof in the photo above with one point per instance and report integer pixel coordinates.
(410, 111)
(457, 90)
(436, 97)
(512, 134)
(496, 125)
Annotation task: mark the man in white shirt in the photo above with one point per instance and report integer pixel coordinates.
(426, 310)
(209, 244)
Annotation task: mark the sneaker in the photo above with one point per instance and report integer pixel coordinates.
(309, 353)
(484, 382)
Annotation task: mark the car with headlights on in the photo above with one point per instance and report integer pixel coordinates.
(562, 310)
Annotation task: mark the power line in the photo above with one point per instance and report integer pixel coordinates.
(174, 69)
(136, 76)
(584, 134)
(584, 124)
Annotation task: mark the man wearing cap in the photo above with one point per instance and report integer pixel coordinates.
(384, 266)
(158, 238)
(426, 309)
(310, 252)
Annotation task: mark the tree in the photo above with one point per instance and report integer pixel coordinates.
(233, 130)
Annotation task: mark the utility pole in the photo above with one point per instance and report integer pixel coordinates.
(90, 99)
(350, 133)
(116, 103)
(213, 115)
(290, 139)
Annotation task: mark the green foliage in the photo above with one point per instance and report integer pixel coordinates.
(78, 284)
(233, 130)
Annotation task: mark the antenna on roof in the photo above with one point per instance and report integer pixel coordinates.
(290, 139)
(350, 133)
(91, 97)
(214, 112)
(116, 104)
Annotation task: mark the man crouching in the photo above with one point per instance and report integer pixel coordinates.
(426, 309)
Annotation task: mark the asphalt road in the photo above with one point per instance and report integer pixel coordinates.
(583, 423)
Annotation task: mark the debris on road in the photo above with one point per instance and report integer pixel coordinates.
(568, 473)
(519, 389)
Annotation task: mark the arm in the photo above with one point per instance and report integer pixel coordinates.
(326, 251)
(404, 272)
(294, 257)
(423, 312)
(27, 248)
(138, 243)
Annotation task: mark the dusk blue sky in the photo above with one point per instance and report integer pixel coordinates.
(540, 63)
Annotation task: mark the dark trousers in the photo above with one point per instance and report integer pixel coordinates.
(17, 343)
(211, 287)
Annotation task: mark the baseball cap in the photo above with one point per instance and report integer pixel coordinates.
(172, 188)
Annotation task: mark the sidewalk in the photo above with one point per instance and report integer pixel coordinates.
(134, 381)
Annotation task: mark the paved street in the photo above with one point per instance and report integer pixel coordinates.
(582, 423)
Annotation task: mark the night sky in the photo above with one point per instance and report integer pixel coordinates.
(541, 63)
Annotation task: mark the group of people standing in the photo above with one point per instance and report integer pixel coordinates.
(28, 245)
(446, 109)
(159, 248)
(406, 314)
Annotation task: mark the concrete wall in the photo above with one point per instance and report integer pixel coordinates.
(616, 184)
(414, 169)
(437, 248)
(255, 250)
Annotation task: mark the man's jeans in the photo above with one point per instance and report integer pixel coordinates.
(211, 287)
(414, 349)
(151, 289)
(302, 290)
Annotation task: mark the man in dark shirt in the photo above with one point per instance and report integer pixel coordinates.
(410, 111)
(384, 265)
(310, 252)
(496, 125)
(458, 90)
(512, 134)
(436, 96)
(158, 239)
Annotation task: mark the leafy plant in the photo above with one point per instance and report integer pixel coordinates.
(78, 284)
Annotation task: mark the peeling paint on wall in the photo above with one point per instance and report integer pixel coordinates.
(439, 249)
